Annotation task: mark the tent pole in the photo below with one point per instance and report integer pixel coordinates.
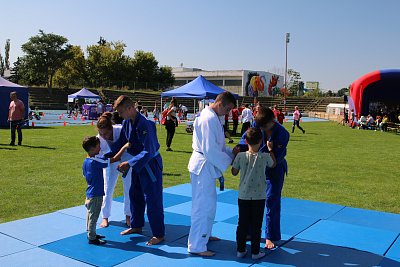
(194, 108)
(160, 113)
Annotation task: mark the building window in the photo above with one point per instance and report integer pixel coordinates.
(233, 82)
(179, 82)
(217, 82)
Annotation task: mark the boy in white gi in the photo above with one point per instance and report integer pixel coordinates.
(252, 188)
(209, 160)
(93, 172)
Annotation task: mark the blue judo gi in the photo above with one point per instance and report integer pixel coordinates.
(275, 178)
(146, 163)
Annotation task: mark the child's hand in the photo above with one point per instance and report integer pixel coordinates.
(270, 145)
(236, 150)
(127, 145)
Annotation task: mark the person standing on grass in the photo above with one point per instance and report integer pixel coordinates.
(209, 160)
(247, 117)
(235, 120)
(252, 188)
(296, 119)
(275, 139)
(108, 135)
(16, 114)
(171, 123)
(146, 165)
(93, 172)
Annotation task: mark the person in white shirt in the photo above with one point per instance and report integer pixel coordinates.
(247, 117)
(209, 160)
(108, 135)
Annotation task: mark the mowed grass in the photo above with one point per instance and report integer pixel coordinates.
(329, 163)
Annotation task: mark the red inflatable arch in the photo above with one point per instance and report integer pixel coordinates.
(378, 86)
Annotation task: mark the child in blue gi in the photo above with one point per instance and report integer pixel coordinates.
(252, 188)
(93, 172)
(146, 164)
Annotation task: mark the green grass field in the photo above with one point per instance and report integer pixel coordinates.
(329, 163)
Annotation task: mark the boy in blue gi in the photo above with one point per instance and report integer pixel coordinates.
(146, 164)
(93, 172)
(277, 138)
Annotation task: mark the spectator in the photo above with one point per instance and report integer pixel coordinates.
(171, 123)
(370, 122)
(383, 124)
(362, 123)
(247, 117)
(16, 114)
(100, 108)
(184, 111)
(296, 119)
(235, 120)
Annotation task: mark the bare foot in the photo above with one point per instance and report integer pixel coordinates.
(131, 231)
(214, 238)
(128, 220)
(154, 241)
(104, 223)
(269, 244)
(205, 254)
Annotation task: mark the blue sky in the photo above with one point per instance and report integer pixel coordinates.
(333, 42)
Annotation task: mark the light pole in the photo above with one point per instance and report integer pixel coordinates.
(284, 94)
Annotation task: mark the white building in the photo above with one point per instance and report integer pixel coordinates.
(261, 83)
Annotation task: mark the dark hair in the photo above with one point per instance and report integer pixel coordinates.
(173, 101)
(253, 136)
(246, 105)
(116, 119)
(104, 121)
(264, 116)
(123, 100)
(226, 98)
(90, 142)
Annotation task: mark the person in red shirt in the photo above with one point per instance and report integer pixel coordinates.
(279, 116)
(235, 119)
(16, 114)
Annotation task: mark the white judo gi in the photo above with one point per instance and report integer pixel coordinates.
(209, 160)
(110, 175)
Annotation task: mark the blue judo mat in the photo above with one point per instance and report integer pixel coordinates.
(313, 234)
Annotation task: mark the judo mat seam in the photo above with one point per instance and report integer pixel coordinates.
(16, 238)
(391, 245)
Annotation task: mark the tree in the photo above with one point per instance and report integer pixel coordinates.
(2, 65)
(145, 65)
(45, 54)
(73, 71)
(106, 63)
(313, 93)
(294, 82)
(343, 91)
(5, 62)
(165, 76)
(7, 55)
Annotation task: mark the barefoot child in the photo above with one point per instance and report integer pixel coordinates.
(252, 188)
(93, 172)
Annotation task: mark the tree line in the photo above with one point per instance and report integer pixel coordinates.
(51, 61)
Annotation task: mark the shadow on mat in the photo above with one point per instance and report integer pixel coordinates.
(298, 253)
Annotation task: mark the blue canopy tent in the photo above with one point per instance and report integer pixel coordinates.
(83, 93)
(6, 87)
(199, 88)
